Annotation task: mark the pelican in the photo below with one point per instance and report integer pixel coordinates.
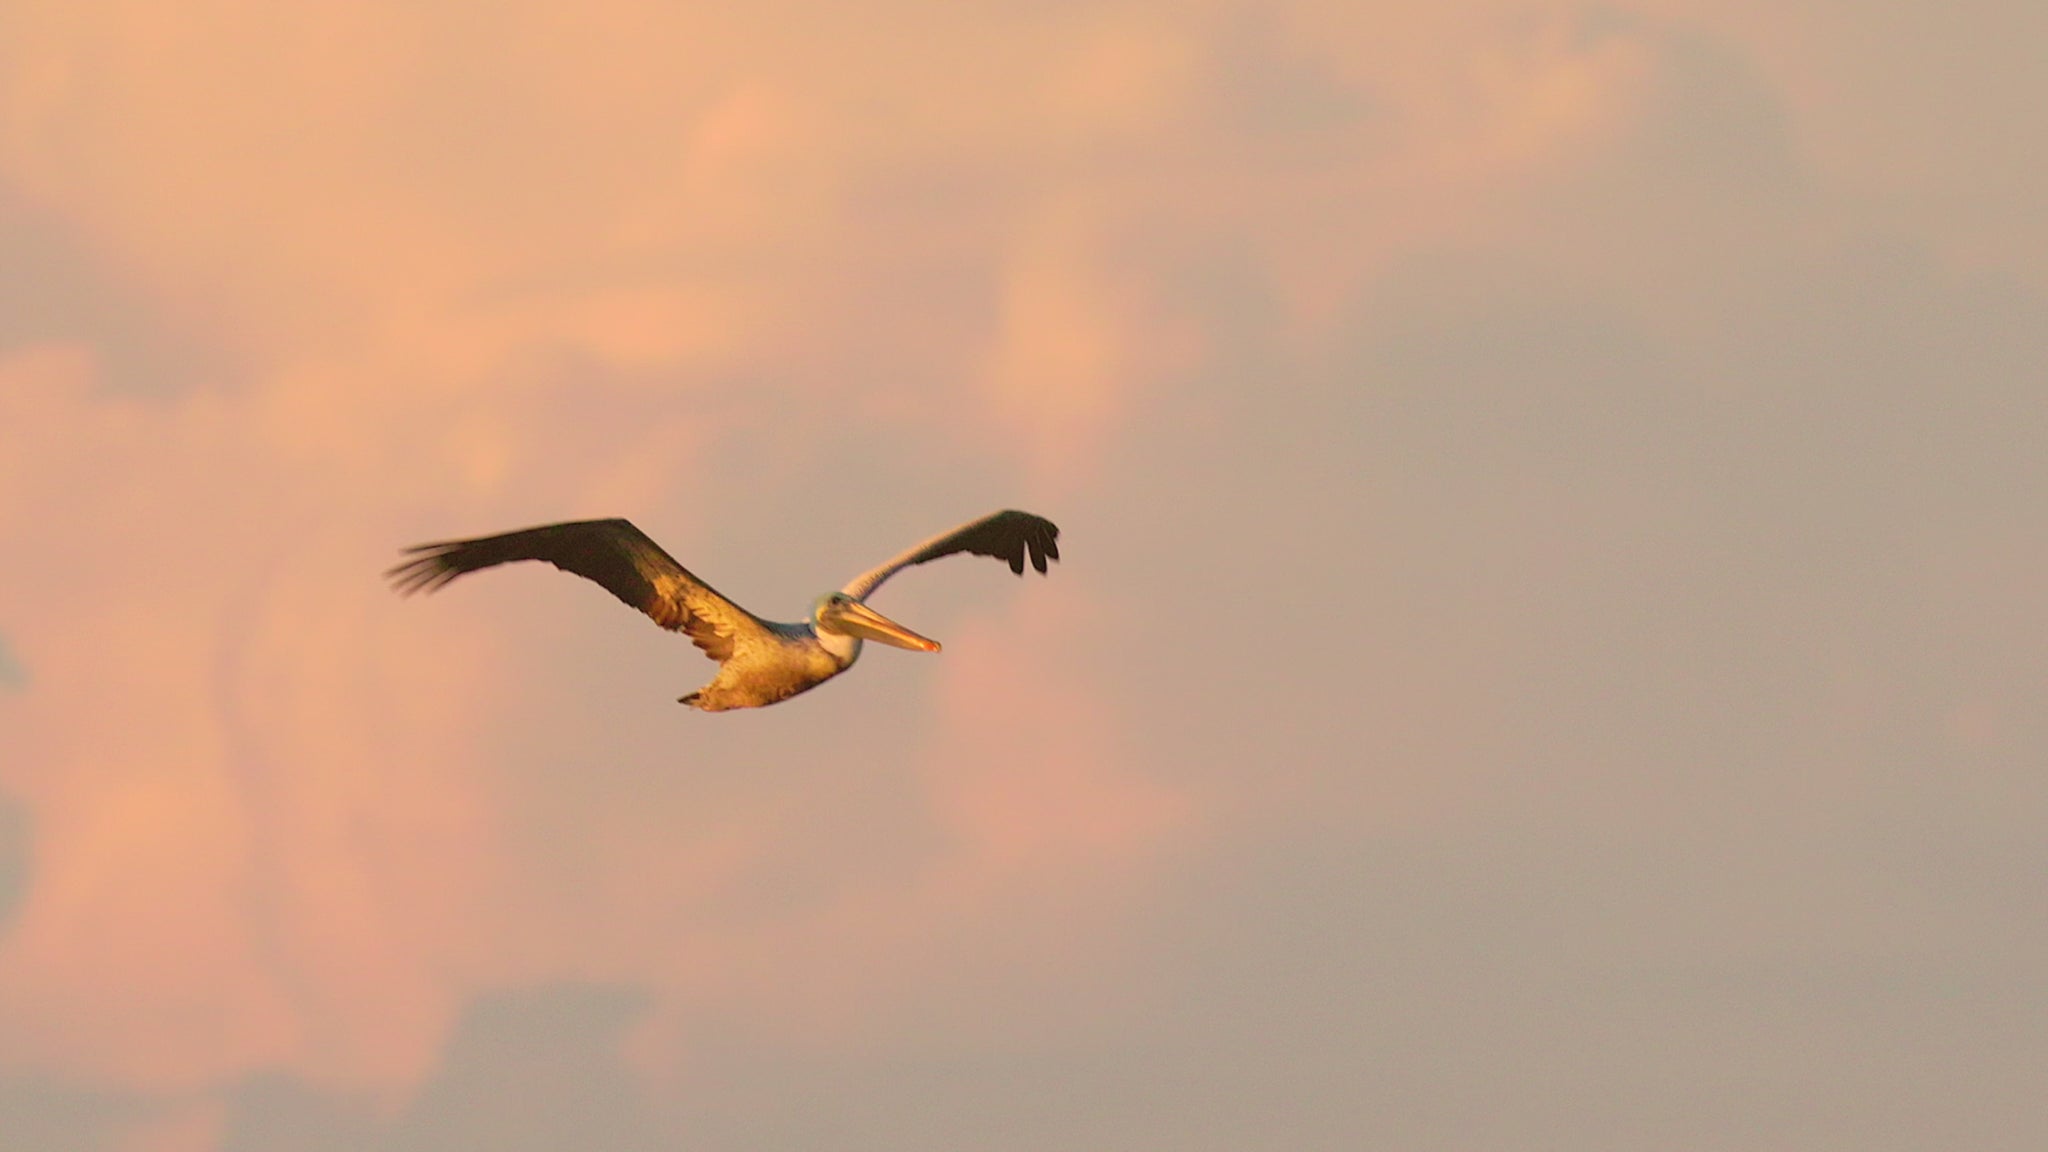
(761, 662)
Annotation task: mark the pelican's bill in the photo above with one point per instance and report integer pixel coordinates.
(857, 619)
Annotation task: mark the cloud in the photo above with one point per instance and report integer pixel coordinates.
(14, 857)
(13, 675)
(552, 1053)
(297, 770)
(55, 291)
(1535, 566)
(65, 1117)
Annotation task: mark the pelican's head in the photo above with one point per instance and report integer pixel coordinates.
(836, 612)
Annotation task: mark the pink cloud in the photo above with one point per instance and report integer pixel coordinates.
(273, 821)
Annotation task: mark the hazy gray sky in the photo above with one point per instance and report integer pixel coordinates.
(1549, 654)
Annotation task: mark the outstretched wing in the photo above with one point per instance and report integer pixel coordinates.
(612, 553)
(1008, 536)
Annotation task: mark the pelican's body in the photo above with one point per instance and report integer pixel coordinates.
(761, 662)
(789, 659)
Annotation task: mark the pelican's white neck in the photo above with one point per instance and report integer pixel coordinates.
(844, 648)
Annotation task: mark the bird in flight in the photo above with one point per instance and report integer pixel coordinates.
(761, 662)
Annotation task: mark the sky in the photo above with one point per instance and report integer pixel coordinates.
(1548, 652)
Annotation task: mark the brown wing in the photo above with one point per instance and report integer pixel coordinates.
(1008, 536)
(613, 553)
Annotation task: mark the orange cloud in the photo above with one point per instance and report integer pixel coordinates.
(472, 276)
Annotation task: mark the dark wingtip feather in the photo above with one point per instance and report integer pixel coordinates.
(1044, 545)
(425, 572)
